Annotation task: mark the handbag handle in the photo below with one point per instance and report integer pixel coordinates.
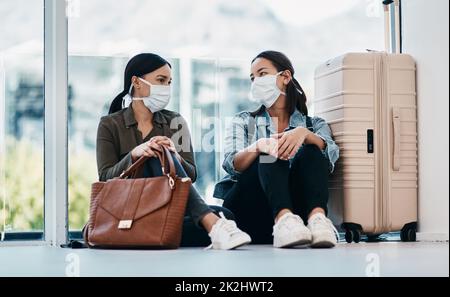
(164, 156)
(166, 159)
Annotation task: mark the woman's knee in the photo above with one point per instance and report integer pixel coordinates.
(311, 154)
(311, 151)
(264, 166)
(272, 163)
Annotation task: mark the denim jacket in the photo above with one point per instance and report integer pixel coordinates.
(246, 129)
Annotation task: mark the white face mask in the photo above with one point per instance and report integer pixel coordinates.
(157, 100)
(265, 91)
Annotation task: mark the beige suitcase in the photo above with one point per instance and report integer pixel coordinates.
(369, 101)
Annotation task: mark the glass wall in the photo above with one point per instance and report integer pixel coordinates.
(21, 118)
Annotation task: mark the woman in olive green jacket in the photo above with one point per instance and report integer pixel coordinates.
(136, 124)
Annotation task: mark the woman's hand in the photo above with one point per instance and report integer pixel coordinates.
(267, 146)
(145, 149)
(167, 142)
(289, 142)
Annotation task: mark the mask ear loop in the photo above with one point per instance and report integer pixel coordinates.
(281, 92)
(131, 88)
(127, 99)
(298, 90)
(145, 82)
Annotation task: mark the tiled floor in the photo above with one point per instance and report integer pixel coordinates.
(383, 258)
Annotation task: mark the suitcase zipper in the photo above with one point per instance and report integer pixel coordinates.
(383, 144)
(384, 164)
(381, 197)
(387, 162)
(378, 115)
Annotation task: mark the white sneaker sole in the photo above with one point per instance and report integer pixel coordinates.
(323, 240)
(290, 241)
(231, 245)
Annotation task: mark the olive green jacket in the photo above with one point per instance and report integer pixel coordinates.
(118, 135)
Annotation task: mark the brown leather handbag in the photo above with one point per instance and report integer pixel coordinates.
(128, 211)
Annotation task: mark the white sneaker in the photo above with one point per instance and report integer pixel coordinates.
(290, 231)
(225, 235)
(324, 234)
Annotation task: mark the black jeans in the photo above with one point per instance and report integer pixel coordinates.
(193, 233)
(265, 188)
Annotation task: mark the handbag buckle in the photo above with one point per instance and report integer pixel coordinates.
(171, 182)
(125, 224)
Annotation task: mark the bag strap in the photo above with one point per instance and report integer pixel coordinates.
(164, 156)
(167, 163)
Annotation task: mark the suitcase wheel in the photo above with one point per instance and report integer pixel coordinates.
(353, 235)
(408, 233)
(352, 232)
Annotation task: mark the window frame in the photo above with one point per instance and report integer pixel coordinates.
(55, 133)
(56, 125)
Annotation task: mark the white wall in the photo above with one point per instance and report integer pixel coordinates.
(425, 37)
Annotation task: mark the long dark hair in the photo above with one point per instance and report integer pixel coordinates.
(295, 96)
(139, 66)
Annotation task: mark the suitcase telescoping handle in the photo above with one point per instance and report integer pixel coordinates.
(396, 122)
(397, 26)
(388, 26)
